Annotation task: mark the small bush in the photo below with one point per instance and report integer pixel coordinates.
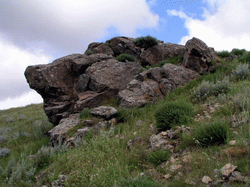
(238, 52)
(3, 138)
(158, 156)
(206, 89)
(173, 113)
(240, 102)
(89, 53)
(203, 91)
(212, 134)
(245, 58)
(4, 152)
(124, 57)
(146, 42)
(139, 182)
(175, 60)
(86, 113)
(223, 54)
(241, 72)
(43, 156)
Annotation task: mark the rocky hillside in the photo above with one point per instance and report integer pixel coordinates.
(136, 112)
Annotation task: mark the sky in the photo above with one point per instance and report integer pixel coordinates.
(38, 32)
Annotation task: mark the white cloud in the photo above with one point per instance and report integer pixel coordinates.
(27, 98)
(13, 64)
(227, 28)
(69, 26)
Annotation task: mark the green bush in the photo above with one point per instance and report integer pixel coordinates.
(241, 72)
(85, 113)
(174, 112)
(89, 53)
(223, 54)
(124, 57)
(146, 42)
(245, 57)
(206, 89)
(210, 134)
(175, 60)
(238, 52)
(158, 156)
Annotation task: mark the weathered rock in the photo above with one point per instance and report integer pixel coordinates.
(102, 125)
(179, 75)
(206, 179)
(121, 45)
(157, 142)
(104, 111)
(161, 51)
(99, 48)
(138, 141)
(80, 134)
(59, 132)
(198, 56)
(111, 75)
(55, 82)
(227, 170)
(153, 84)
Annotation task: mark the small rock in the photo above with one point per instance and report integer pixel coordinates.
(139, 123)
(104, 111)
(135, 133)
(164, 133)
(167, 176)
(190, 182)
(206, 179)
(233, 142)
(236, 175)
(187, 158)
(228, 169)
(172, 160)
(174, 168)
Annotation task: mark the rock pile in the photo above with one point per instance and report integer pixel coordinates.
(74, 82)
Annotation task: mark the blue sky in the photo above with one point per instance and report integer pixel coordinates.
(38, 32)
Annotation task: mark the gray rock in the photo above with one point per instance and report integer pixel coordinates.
(104, 111)
(59, 132)
(99, 48)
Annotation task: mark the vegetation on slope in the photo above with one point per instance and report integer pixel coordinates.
(106, 160)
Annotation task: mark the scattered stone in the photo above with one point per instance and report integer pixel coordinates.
(174, 168)
(60, 181)
(167, 176)
(104, 111)
(190, 182)
(233, 142)
(187, 158)
(235, 176)
(172, 160)
(135, 133)
(138, 141)
(206, 179)
(227, 170)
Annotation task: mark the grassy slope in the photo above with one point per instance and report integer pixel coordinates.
(105, 160)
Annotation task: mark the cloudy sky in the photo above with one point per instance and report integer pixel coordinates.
(40, 31)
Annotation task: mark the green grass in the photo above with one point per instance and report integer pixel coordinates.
(146, 41)
(124, 57)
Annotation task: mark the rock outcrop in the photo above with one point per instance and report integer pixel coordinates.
(74, 82)
(198, 56)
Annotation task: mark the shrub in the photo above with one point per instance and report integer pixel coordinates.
(238, 52)
(43, 156)
(223, 54)
(89, 53)
(245, 57)
(3, 138)
(214, 133)
(124, 57)
(240, 102)
(206, 89)
(173, 113)
(203, 91)
(158, 156)
(139, 182)
(4, 152)
(85, 113)
(241, 72)
(123, 114)
(175, 60)
(146, 42)
(41, 127)
(220, 87)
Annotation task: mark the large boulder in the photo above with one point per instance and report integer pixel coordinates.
(97, 47)
(59, 82)
(111, 75)
(126, 45)
(161, 51)
(198, 56)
